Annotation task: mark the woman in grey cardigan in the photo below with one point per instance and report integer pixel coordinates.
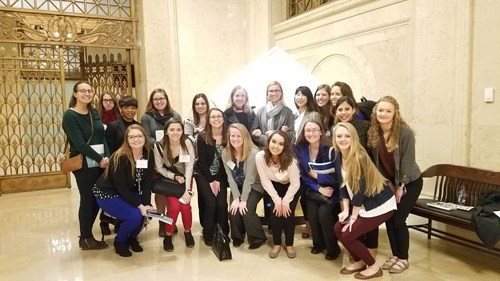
(275, 115)
(246, 190)
(392, 144)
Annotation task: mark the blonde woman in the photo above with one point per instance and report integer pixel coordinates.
(372, 201)
(238, 109)
(392, 144)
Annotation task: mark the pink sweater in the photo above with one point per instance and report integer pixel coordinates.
(269, 173)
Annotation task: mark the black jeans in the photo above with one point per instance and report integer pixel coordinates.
(88, 210)
(282, 224)
(215, 209)
(322, 218)
(397, 230)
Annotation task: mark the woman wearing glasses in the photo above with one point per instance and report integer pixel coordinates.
(124, 190)
(85, 134)
(158, 112)
(108, 108)
(210, 175)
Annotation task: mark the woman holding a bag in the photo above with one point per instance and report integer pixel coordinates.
(316, 162)
(280, 177)
(124, 190)
(174, 161)
(85, 134)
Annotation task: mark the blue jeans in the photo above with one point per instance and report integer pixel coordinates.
(130, 217)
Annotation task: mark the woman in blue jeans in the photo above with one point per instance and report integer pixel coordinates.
(392, 144)
(124, 190)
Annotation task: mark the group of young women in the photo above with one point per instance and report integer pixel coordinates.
(351, 175)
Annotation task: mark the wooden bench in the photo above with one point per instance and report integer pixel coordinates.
(449, 180)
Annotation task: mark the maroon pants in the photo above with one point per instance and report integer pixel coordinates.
(174, 208)
(350, 240)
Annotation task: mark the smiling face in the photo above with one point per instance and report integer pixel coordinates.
(200, 106)
(159, 101)
(235, 138)
(345, 112)
(274, 93)
(136, 139)
(322, 97)
(312, 132)
(385, 113)
(239, 98)
(174, 132)
(128, 112)
(276, 145)
(216, 119)
(300, 99)
(342, 138)
(336, 94)
(84, 94)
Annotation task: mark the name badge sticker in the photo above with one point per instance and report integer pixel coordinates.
(184, 158)
(142, 163)
(230, 164)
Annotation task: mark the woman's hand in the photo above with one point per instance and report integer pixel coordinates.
(186, 197)
(343, 215)
(104, 163)
(144, 209)
(234, 206)
(243, 207)
(285, 210)
(277, 211)
(349, 224)
(257, 133)
(285, 128)
(326, 190)
(400, 192)
(215, 186)
(269, 133)
(179, 179)
(313, 174)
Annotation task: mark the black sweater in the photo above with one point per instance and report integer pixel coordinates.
(206, 155)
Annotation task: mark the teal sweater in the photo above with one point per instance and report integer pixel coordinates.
(78, 130)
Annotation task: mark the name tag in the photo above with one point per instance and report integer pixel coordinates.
(159, 135)
(230, 164)
(142, 163)
(184, 158)
(281, 175)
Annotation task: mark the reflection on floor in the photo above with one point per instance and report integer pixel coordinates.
(39, 241)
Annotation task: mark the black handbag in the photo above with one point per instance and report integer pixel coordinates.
(317, 197)
(168, 187)
(220, 245)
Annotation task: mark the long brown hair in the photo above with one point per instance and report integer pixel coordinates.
(326, 110)
(167, 150)
(100, 108)
(150, 106)
(323, 140)
(196, 117)
(397, 122)
(207, 131)
(246, 107)
(358, 164)
(286, 157)
(126, 150)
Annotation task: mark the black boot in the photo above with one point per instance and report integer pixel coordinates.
(121, 249)
(91, 244)
(161, 229)
(134, 245)
(167, 243)
(189, 239)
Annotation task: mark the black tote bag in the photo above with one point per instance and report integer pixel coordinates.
(220, 245)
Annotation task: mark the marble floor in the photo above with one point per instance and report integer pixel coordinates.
(39, 241)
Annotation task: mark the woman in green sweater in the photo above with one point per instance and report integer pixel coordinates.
(85, 133)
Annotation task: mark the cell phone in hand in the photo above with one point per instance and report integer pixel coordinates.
(182, 199)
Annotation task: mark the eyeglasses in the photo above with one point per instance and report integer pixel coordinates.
(108, 101)
(216, 117)
(159, 99)
(83, 91)
(140, 137)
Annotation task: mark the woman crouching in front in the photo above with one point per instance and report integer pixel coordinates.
(373, 202)
(124, 190)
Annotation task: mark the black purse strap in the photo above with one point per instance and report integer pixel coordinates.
(172, 168)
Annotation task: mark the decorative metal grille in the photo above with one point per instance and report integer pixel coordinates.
(71, 57)
(113, 8)
(297, 7)
(31, 109)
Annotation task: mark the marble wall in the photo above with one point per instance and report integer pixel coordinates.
(435, 57)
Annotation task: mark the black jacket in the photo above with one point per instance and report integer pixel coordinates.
(486, 223)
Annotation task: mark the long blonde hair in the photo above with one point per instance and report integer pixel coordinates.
(247, 145)
(126, 150)
(397, 122)
(358, 164)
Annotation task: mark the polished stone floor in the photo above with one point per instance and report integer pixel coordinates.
(39, 241)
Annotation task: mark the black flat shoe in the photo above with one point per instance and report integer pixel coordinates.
(134, 245)
(256, 244)
(237, 243)
(316, 251)
(167, 244)
(92, 244)
(121, 248)
(189, 239)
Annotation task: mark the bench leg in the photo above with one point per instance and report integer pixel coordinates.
(429, 227)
